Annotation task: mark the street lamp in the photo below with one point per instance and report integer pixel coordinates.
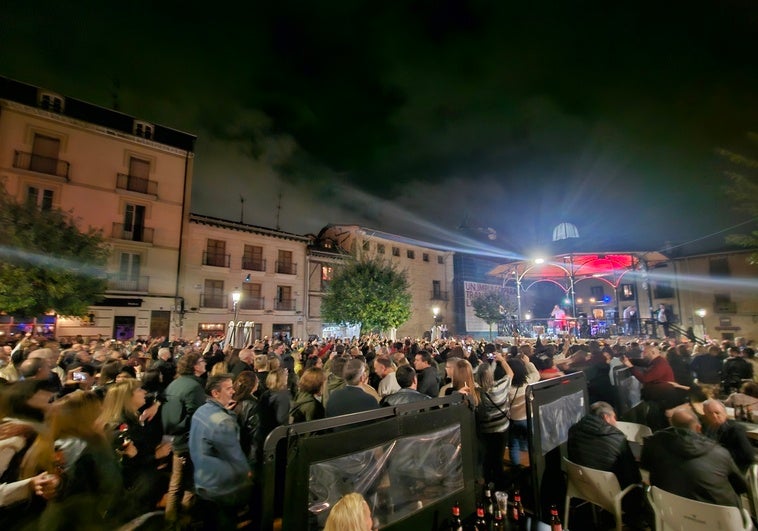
(700, 312)
(236, 296)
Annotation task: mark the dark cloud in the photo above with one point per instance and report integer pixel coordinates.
(425, 113)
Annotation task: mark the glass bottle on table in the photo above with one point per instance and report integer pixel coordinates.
(480, 524)
(555, 520)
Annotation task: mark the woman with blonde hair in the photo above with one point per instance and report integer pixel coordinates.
(76, 448)
(463, 381)
(138, 453)
(351, 513)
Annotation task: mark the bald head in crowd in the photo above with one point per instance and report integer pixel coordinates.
(685, 418)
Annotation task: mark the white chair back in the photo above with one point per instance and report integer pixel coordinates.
(634, 432)
(675, 513)
(752, 488)
(595, 486)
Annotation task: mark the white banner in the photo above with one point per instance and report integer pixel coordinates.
(472, 290)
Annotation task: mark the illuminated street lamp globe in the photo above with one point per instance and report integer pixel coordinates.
(564, 231)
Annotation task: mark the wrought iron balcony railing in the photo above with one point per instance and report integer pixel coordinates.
(252, 303)
(216, 259)
(118, 282)
(286, 268)
(254, 264)
(134, 233)
(136, 184)
(214, 300)
(284, 304)
(33, 162)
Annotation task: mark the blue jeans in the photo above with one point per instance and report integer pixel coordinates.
(517, 440)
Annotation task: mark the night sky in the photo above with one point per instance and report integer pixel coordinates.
(430, 118)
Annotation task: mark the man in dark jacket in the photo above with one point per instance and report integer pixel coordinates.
(406, 378)
(735, 370)
(596, 442)
(728, 433)
(183, 397)
(428, 383)
(351, 398)
(688, 464)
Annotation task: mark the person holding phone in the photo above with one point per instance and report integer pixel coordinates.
(81, 378)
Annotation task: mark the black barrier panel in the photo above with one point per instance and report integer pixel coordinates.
(628, 390)
(553, 406)
(410, 463)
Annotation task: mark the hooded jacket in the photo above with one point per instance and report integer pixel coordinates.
(594, 443)
(691, 465)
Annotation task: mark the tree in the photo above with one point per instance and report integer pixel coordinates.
(743, 191)
(488, 307)
(368, 292)
(47, 263)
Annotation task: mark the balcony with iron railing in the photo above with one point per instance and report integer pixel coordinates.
(286, 268)
(438, 295)
(216, 259)
(284, 304)
(33, 162)
(254, 264)
(214, 300)
(134, 233)
(136, 184)
(252, 303)
(118, 282)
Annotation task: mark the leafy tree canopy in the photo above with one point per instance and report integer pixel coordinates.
(370, 292)
(488, 307)
(47, 263)
(743, 191)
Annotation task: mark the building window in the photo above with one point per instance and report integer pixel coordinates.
(213, 294)
(134, 223)
(627, 292)
(719, 267)
(425, 257)
(663, 290)
(143, 129)
(410, 254)
(50, 101)
(436, 289)
(284, 300)
(327, 272)
(251, 296)
(252, 258)
(380, 248)
(139, 176)
(366, 245)
(45, 152)
(597, 292)
(39, 197)
(215, 253)
(396, 251)
(128, 277)
(440, 259)
(284, 263)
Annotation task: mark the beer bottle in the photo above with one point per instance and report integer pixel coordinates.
(480, 524)
(498, 524)
(555, 520)
(517, 513)
(455, 519)
(489, 502)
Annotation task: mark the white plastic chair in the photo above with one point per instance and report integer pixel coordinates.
(675, 513)
(634, 432)
(751, 477)
(595, 486)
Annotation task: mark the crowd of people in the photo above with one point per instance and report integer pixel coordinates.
(100, 432)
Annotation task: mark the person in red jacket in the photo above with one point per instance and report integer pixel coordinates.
(658, 384)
